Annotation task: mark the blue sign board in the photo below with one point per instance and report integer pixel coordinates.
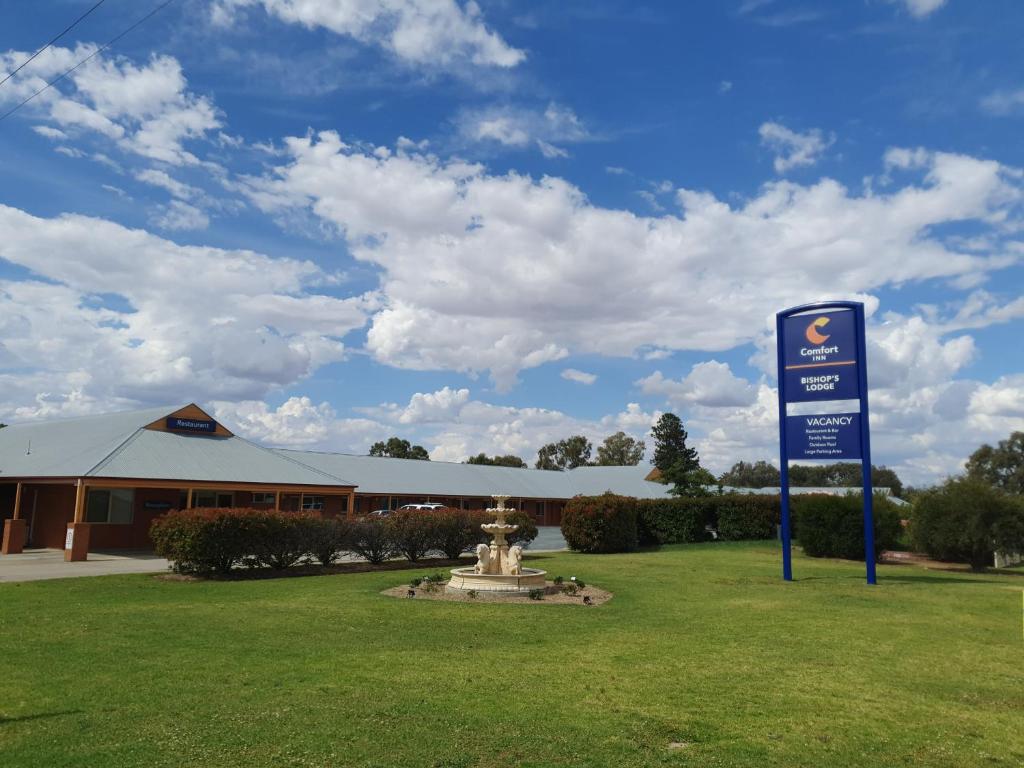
(823, 436)
(179, 424)
(821, 357)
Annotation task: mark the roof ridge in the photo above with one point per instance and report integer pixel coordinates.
(276, 453)
(110, 456)
(89, 416)
(401, 458)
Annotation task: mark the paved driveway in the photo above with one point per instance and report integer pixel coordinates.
(36, 564)
(549, 539)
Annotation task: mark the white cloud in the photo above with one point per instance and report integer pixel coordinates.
(218, 324)
(503, 272)
(448, 422)
(442, 405)
(179, 216)
(793, 149)
(163, 180)
(1004, 102)
(520, 128)
(146, 110)
(921, 8)
(50, 133)
(297, 421)
(710, 384)
(581, 377)
(438, 33)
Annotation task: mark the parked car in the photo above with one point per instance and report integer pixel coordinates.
(428, 506)
(380, 513)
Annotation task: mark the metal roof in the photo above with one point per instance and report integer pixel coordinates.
(412, 477)
(116, 445)
(68, 447)
(171, 456)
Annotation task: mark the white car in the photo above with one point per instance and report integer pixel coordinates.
(421, 507)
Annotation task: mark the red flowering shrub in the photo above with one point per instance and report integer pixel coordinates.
(606, 523)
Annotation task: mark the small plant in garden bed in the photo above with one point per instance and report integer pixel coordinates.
(536, 594)
(570, 588)
(416, 582)
(558, 579)
(471, 593)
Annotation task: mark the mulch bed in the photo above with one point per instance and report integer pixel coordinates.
(358, 566)
(553, 595)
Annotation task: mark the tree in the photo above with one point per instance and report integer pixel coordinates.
(569, 453)
(547, 457)
(670, 446)
(396, 448)
(966, 520)
(690, 482)
(843, 475)
(1001, 467)
(759, 474)
(497, 461)
(620, 450)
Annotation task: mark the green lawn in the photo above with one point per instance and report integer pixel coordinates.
(702, 645)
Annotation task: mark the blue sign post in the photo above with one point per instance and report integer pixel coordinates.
(821, 356)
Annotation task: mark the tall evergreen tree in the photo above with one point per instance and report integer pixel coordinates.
(670, 445)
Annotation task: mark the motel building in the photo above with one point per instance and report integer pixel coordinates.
(96, 483)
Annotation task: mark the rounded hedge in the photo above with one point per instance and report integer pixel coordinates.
(606, 523)
(833, 526)
(967, 520)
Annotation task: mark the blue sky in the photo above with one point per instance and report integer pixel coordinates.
(485, 226)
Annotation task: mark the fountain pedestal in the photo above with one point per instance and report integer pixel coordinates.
(498, 567)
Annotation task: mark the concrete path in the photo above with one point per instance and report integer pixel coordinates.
(37, 564)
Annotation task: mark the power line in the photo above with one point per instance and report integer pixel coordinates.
(58, 37)
(98, 51)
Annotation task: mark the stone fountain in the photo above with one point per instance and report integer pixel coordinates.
(499, 568)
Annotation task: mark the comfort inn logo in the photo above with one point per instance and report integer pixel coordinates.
(812, 333)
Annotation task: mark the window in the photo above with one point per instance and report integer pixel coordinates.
(312, 503)
(263, 498)
(212, 499)
(113, 505)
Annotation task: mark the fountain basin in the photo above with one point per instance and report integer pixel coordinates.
(465, 579)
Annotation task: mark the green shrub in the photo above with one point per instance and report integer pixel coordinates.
(369, 538)
(413, 532)
(281, 539)
(526, 533)
(967, 520)
(833, 526)
(328, 538)
(746, 516)
(456, 531)
(672, 521)
(205, 540)
(604, 523)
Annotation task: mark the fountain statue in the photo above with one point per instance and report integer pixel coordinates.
(499, 568)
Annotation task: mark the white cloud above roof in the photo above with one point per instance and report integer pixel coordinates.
(438, 33)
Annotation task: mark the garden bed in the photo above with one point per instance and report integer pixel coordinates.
(554, 594)
(243, 573)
